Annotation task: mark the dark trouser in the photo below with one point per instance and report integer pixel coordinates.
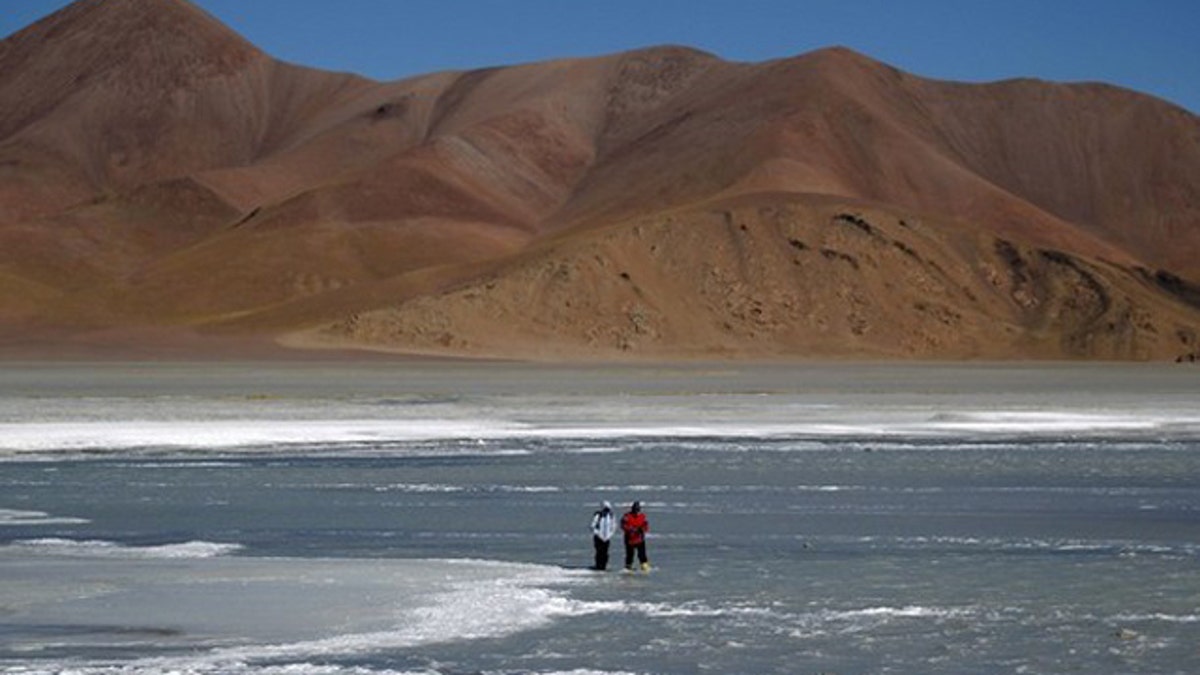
(601, 552)
(640, 547)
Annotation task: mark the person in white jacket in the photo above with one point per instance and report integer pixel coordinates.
(604, 525)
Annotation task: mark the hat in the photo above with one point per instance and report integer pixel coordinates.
(606, 505)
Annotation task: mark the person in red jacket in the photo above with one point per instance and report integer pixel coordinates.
(635, 526)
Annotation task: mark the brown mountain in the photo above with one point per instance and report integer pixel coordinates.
(159, 175)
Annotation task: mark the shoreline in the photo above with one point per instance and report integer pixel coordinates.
(817, 383)
(173, 346)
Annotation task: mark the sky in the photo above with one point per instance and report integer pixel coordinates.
(1148, 45)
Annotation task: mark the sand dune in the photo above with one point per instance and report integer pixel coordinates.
(161, 174)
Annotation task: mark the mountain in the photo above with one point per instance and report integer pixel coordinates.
(159, 175)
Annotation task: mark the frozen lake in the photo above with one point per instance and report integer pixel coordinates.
(432, 518)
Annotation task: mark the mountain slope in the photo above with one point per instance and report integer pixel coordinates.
(772, 275)
(157, 169)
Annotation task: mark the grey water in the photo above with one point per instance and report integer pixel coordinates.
(432, 518)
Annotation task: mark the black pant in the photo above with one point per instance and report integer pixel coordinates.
(601, 552)
(640, 547)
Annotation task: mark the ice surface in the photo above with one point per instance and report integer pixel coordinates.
(58, 547)
(237, 614)
(264, 435)
(15, 517)
(933, 519)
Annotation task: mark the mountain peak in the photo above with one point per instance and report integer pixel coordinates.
(125, 45)
(841, 52)
(840, 60)
(118, 21)
(91, 37)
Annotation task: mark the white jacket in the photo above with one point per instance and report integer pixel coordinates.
(604, 524)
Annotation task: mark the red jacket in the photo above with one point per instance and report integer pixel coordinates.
(635, 527)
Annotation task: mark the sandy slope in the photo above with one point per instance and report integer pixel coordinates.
(157, 170)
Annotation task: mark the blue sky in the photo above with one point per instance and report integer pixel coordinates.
(1147, 45)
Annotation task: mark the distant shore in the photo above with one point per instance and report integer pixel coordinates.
(171, 344)
(174, 344)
